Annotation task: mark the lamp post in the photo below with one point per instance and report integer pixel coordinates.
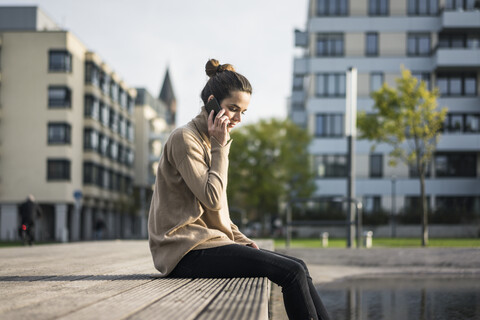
(358, 220)
(351, 132)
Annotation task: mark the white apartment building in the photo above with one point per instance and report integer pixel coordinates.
(439, 41)
(66, 132)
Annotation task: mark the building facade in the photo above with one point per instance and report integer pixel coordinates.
(154, 121)
(66, 130)
(439, 41)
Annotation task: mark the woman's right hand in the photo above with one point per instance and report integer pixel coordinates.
(217, 127)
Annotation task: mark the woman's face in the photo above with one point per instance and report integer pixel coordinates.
(235, 106)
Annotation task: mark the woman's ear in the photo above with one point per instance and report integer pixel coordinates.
(210, 98)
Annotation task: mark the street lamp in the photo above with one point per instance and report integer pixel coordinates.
(358, 213)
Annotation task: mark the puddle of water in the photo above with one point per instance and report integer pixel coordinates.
(401, 298)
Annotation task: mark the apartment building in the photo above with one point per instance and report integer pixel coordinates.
(66, 132)
(439, 41)
(154, 121)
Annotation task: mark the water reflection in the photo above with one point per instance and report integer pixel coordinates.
(409, 297)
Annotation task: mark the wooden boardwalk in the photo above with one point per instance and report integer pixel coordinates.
(116, 280)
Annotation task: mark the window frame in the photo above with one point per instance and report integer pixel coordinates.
(66, 103)
(417, 37)
(417, 8)
(65, 175)
(67, 135)
(330, 42)
(377, 10)
(342, 8)
(66, 66)
(368, 51)
(375, 172)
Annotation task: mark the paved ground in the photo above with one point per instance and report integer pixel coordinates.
(74, 276)
(327, 265)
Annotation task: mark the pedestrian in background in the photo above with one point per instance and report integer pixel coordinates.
(29, 211)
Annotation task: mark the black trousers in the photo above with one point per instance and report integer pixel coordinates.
(238, 261)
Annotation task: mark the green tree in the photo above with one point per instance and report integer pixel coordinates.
(269, 163)
(407, 119)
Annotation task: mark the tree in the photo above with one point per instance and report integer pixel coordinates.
(269, 163)
(406, 118)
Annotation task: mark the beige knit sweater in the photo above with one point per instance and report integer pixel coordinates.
(189, 207)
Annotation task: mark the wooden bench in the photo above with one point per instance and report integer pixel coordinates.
(116, 280)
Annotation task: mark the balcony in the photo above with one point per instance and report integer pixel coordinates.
(301, 39)
(460, 19)
(457, 57)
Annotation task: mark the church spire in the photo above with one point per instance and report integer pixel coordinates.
(168, 97)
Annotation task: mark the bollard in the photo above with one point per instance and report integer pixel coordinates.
(367, 239)
(325, 239)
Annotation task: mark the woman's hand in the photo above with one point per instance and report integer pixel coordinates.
(253, 245)
(218, 127)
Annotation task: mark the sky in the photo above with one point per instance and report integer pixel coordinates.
(139, 39)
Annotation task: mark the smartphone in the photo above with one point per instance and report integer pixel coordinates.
(213, 105)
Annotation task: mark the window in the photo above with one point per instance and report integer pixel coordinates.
(329, 45)
(456, 165)
(332, 7)
(457, 84)
(465, 5)
(59, 61)
(418, 44)
(120, 155)
(103, 144)
(90, 139)
(92, 73)
(104, 114)
(376, 166)
(297, 83)
(462, 123)
(454, 40)
(413, 172)
(59, 97)
(58, 169)
(123, 98)
(372, 204)
(331, 166)
(113, 90)
(90, 173)
(422, 76)
(378, 7)
(131, 104)
(331, 84)
(104, 82)
(113, 123)
(130, 131)
(112, 149)
(329, 125)
(371, 45)
(422, 7)
(92, 106)
(376, 81)
(59, 133)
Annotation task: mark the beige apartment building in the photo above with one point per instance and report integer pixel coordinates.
(66, 132)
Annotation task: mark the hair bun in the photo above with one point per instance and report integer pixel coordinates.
(213, 67)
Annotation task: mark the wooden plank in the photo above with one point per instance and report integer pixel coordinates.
(185, 303)
(22, 293)
(126, 303)
(241, 299)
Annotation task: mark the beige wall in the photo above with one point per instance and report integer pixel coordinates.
(398, 7)
(354, 44)
(358, 7)
(24, 148)
(392, 44)
(25, 108)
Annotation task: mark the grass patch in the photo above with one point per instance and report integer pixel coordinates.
(384, 243)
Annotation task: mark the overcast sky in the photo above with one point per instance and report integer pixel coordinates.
(140, 38)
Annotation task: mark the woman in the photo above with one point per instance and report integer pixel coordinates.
(190, 231)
